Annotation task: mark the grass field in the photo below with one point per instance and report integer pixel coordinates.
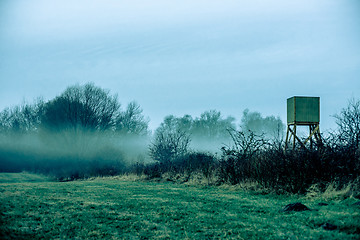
(112, 208)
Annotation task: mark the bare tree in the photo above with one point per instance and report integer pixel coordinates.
(132, 121)
(82, 107)
(348, 122)
(23, 118)
(170, 142)
(245, 143)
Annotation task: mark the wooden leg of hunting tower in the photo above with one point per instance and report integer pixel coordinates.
(318, 135)
(287, 138)
(313, 130)
(310, 134)
(293, 132)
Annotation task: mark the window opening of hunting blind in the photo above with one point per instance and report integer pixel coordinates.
(303, 111)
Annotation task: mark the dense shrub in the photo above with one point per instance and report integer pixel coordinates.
(170, 142)
(237, 162)
(185, 166)
(253, 159)
(291, 171)
(195, 163)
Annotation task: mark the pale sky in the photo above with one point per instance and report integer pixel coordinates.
(184, 56)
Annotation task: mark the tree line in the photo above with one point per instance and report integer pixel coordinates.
(85, 132)
(78, 108)
(81, 132)
(258, 155)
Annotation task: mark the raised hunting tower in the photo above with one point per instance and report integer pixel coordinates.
(303, 111)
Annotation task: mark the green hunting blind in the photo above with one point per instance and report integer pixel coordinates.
(303, 111)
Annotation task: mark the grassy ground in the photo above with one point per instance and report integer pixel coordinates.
(120, 209)
(22, 177)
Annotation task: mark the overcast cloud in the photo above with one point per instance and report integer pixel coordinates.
(184, 57)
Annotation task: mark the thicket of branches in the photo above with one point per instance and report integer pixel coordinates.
(258, 156)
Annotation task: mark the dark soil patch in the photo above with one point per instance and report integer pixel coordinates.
(297, 207)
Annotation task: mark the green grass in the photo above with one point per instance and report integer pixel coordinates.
(119, 209)
(22, 177)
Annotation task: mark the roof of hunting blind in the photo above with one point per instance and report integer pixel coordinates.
(303, 110)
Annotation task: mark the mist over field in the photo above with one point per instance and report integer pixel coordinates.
(81, 133)
(86, 132)
(47, 152)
